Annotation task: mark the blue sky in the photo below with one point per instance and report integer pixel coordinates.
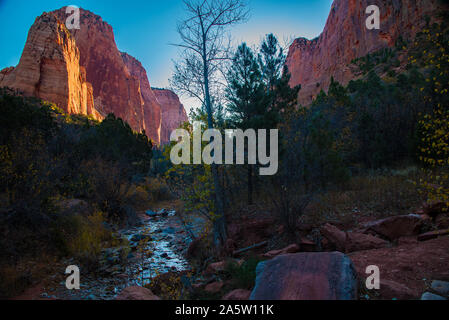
(145, 29)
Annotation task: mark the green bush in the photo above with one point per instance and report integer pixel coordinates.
(243, 276)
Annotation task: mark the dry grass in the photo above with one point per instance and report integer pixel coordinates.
(149, 193)
(377, 196)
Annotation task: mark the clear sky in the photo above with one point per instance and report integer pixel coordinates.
(145, 28)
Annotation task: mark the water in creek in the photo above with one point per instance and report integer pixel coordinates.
(168, 239)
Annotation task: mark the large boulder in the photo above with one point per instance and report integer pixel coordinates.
(136, 293)
(306, 276)
(396, 227)
(335, 236)
(351, 241)
(359, 241)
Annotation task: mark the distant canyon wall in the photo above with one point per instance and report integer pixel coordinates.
(345, 37)
(173, 112)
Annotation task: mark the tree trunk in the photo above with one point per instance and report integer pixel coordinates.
(220, 232)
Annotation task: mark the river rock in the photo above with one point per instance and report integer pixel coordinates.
(431, 296)
(442, 287)
(306, 276)
(137, 293)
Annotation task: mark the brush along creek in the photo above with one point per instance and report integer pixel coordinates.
(156, 247)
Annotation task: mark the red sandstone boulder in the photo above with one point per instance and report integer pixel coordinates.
(351, 241)
(359, 241)
(306, 276)
(214, 287)
(334, 236)
(238, 294)
(396, 227)
(136, 293)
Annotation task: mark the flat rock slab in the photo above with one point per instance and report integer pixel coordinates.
(396, 227)
(306, 276)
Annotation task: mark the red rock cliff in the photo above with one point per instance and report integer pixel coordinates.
(173, 113)
(345, 37)
(152, 109)
(115, 89)
(49, 69)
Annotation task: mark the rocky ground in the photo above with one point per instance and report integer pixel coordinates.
(329, 262)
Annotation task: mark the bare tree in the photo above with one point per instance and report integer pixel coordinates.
(205, 44)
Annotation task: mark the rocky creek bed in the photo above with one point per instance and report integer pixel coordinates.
(156, 247)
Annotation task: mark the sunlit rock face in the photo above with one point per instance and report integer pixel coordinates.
(345, 37)
(152, 112)
(50, 69)
(173, 113)
(115, 89)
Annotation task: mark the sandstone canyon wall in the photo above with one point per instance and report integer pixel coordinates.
(173, 112)
(152, 108)
(83, 72)
(49, 69)
(345, 37)
(115, 89)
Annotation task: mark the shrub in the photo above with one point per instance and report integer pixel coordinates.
(158, 190)
(243, 276)
(83, 237)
